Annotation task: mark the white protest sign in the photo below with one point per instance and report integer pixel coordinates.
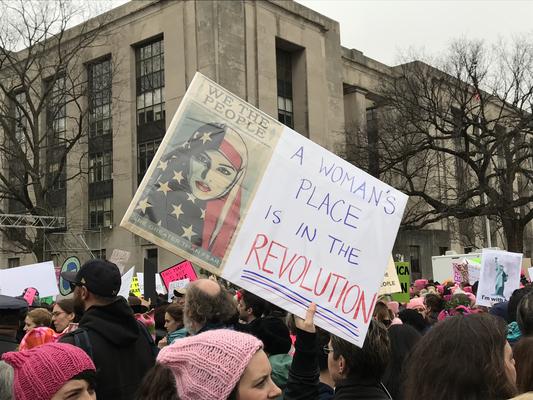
(120, 258)
(41, 276)
(500, 276)
(126, 283)
(159, 287)
(239, 194)
(391, 283)
(474, 272)
(175, 285)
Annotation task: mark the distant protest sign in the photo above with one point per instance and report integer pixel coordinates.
(500, 276)
(120, 258)
(41, 276)
(391, 283)
(176, 285)
(460, 271)
(474, 270)
(126, 283)
(236, 192)
(134, 287)
(71, 264)
(403, 270)
(159, 287)
(183, 270)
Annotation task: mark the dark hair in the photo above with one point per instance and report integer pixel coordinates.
(256, 303)
(175, 310)
(402, 340)
(461, 357)
(413, 318)
(204, 308)
(66, 305)
(40, 316)
(514, 300)
(323, 340)
(434, 302)
(368, 362)
(523, 356)
(382, 313)
(524, 314)
(87, 375)
(159, 315)
(158, 384)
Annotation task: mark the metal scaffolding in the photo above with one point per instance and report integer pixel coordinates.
(31, 221)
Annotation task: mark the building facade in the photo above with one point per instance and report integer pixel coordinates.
(280, 56)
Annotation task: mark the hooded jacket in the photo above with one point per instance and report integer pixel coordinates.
(121, 353)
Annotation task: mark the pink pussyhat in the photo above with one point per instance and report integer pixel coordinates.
(209, 365)
(416, 304)
(40, 372)
(394, 306)
(421, 283)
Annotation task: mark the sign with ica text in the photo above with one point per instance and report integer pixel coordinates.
(183, 270)
(404, 275)
(247, 198)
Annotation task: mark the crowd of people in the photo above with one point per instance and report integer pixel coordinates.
(214, 341)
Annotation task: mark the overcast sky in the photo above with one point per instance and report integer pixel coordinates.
(385, 29)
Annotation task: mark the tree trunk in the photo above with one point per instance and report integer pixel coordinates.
(514, 235)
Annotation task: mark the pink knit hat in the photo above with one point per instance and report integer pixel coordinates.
(40, 372)
(394, 306)
(416, 304)
(209, 365)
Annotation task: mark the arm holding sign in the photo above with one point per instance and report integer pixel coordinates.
(304, 373)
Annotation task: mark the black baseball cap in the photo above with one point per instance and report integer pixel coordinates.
(100, 277)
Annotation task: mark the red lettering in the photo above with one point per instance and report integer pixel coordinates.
(294, 265)
(272, 255)
(283, 268)
(325, 284)
(346, 296)
(255, 248)
(334, 286)
(305, 276)
(342, 294)
(361, 302)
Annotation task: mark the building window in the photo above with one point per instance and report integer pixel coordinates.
(56, 112)
(101, 213)
(13, 262)
(414, 258)
(150, 73)
(99, 253)
(285, 96)
(443, 250)
(100, 167)
(53, 168)
(100, 83)
(146, 152)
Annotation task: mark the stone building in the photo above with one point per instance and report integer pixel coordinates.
(280, 56)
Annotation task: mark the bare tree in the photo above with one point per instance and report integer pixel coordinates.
(43, 108)
(459, 139)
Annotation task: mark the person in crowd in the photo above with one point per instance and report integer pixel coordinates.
(250, 306)
(326, 385)
(173, 325)
(434, 305)
(121, 348)
(513, 330)
(274, 334)
(355, 371)
(216, 364)
(523, 355)
(37, 317)
(11, 312)
(207, 306)
(54, 371)
(462, 357)
(159, 318)
(383, 314)
(63, 315)
(403, 339)
(524, 314)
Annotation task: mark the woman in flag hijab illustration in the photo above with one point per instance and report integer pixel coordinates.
(198, 188)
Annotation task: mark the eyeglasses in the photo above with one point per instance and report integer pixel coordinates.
(327, 349)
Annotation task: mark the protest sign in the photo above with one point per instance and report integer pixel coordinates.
(178, 272)
(236, 192)
(403, 270)
(500, 276)
(30, 294)
(390, 283)
(126, 283)
(40, 276)
(134, 287)
(460, 271)
(71, 264)
(159, 287)
(175, 285)
(120, 258)
(474, 270)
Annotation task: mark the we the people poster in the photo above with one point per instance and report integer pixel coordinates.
(239, 194)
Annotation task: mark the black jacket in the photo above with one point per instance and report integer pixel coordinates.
(7, 344)
(121, 352)
(356, 389)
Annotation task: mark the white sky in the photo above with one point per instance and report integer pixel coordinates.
(386, 29)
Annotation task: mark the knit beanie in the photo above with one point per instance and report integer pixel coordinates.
(209, 365)
(37, 337)
(42, 371)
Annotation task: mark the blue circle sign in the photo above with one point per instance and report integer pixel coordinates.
(71, 264)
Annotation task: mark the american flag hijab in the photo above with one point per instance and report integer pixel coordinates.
(205, 222)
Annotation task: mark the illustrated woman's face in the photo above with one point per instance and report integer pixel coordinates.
(211, 174)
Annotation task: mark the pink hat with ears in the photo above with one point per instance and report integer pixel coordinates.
(394, 306)
(416, 303)
(421, 283)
